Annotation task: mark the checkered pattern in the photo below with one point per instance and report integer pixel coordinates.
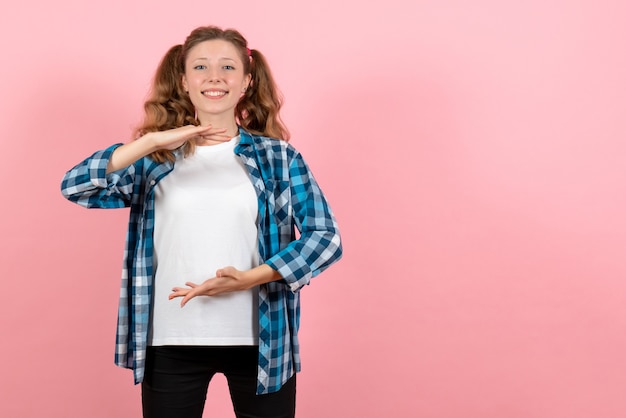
(288, 198)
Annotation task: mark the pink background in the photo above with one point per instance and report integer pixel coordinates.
(474, 153)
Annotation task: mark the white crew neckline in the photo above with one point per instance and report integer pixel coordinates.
(231, 143)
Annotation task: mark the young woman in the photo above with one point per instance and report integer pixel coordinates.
(213, 266)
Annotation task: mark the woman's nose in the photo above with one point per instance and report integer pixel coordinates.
(213, 74)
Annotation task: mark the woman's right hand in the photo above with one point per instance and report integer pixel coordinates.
(128, 153)
(174, 138)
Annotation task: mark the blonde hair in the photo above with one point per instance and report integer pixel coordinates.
(168, 105)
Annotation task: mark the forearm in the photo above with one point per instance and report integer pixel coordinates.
(128, 153)
(261, 275)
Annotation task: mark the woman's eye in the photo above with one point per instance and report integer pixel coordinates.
(229, 67)
(199, 67)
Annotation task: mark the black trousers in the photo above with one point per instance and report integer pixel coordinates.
(177, 379)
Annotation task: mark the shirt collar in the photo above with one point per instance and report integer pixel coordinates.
(246, 137)
(246, 140)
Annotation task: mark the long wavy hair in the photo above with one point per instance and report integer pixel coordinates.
(168, 105)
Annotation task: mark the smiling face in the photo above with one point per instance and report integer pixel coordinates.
(215, 80)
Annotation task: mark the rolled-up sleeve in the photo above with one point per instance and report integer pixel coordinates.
(89, 185)
(319, 244)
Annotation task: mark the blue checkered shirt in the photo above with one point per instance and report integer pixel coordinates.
(288, 198)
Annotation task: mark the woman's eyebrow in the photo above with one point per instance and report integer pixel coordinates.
(206, 59)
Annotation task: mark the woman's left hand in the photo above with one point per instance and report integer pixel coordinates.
(228, 279)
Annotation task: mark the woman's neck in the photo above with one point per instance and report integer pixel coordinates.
(217, 122)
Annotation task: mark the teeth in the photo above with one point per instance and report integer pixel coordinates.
(214, 93)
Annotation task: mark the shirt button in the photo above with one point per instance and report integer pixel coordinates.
(152, 183)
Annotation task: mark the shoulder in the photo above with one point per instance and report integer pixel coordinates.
(270, 148)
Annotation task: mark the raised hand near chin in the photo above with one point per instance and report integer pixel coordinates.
(174, 138)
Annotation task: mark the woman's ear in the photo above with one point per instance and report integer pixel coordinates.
(184, 82)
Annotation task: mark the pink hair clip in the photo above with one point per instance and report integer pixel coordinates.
(249, 52)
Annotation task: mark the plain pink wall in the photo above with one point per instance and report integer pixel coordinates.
(472, 151)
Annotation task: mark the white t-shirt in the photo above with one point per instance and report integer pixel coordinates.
(205, 219)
